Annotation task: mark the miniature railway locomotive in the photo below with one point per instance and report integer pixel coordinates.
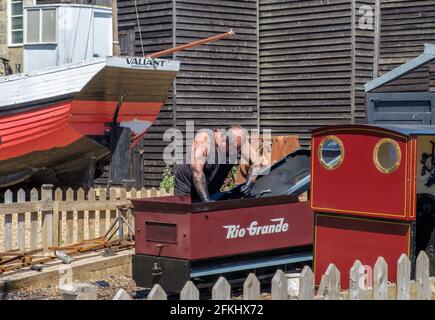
(177, 240)
(373, 194)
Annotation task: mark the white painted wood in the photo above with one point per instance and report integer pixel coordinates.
(189, 292)
(356, 283)
(47, 217)
(72, 78)
(8, 222)
(306, 284)
(21, 197)
(122, 295)
(279, 286)
(157, 293)
(380, 279)
(422, 277)
(221, 290)
(251, 288)
(332, 276)
(403, 278)
(34, 228)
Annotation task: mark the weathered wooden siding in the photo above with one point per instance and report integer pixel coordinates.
(217, 84)
(363, 55)
(305, 63)
(154, 33)
(405, 27)
(313, 60)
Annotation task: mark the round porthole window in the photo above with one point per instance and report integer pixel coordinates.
(387, 155)
(331, 152)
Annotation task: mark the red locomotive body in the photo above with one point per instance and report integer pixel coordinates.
(175, 236)
(367, 183)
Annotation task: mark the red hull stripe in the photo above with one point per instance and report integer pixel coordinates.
(62, 123)
(36, 130)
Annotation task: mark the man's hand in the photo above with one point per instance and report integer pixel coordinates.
(245, 189)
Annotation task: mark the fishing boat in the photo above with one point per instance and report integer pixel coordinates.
(63, 124)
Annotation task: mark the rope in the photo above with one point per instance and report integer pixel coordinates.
(138, 26)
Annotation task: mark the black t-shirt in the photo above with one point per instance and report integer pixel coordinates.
(215, 173)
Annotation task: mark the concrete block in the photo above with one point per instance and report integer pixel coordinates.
(122, 295)
(80, 291)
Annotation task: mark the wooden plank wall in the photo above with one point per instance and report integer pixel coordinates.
(155, 17)
(305, 63)
(309, 73)
(405, 27)
(364, 54)
(217, 84)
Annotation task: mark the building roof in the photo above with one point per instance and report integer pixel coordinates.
(402, 130)
(428, 56)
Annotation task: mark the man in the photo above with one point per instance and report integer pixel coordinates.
(212, 158)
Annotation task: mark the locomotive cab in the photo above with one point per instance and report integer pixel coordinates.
(373, 194)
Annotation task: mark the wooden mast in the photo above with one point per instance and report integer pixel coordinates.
(191, 44)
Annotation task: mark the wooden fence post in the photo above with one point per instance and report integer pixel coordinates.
(189, 292)
(380, 281)
(332, 283)
(356, 281)
(69, 218)
(91, 214)
(21, 198)
(34, 230)
(8, 222)
(47, 216)
(80, 217)
(221, 290)
(157, 293)
(306, 284)
(251, 288)
(422, 277)
(102, 213)
(57, 217)
(279, 286)
(113, 213)
(403, 278)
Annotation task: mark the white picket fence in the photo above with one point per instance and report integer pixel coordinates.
(422, 288)
(47, 217)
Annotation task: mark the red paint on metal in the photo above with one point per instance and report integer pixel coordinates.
(203, 235)
(341, 240)
(36, 130)
(357, 187)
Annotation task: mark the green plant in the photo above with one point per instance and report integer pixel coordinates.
(230, 181)
(167, 182)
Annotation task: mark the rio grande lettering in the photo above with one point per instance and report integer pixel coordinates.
(235, 231)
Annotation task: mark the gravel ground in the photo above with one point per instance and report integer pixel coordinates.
(107, 289)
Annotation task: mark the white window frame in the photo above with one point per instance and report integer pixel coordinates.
(9, 14)
(40, 26)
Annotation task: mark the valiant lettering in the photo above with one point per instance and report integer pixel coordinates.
(145, 62)
(235, 231)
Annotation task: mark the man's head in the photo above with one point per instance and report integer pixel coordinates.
(232, 137)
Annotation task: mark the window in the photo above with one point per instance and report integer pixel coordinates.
(387, 156)
(41, 26)
(15, 22)
(331, 152)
